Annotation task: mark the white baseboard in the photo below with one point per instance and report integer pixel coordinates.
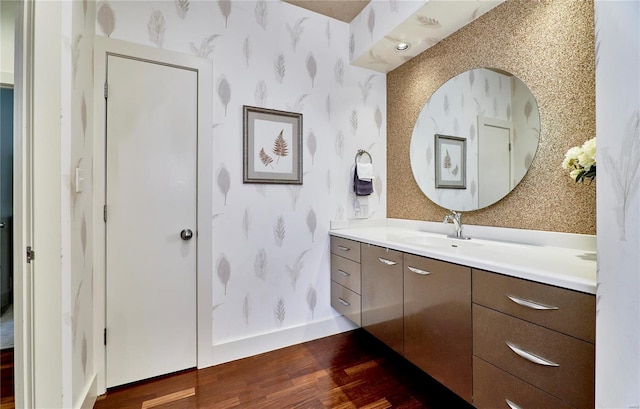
(242, 348)
(89, 395)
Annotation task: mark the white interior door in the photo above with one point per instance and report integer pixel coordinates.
(494, 160)
(151, 168)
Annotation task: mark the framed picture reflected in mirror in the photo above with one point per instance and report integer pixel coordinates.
(450, 162)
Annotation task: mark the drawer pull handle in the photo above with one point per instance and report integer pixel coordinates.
(344, 273)
(530, 357)
(343, 302)
(387, 262)
(512, 405)
(343, 248)
(418, 271)
(531, 304)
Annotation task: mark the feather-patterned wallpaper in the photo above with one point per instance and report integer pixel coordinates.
(82, 20)
(270, 251)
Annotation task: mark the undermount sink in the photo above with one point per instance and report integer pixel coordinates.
(441, 242)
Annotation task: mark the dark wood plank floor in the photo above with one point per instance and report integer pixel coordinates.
(349, 370)
(7, 400)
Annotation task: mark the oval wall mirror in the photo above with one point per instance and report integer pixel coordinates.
(475, 139)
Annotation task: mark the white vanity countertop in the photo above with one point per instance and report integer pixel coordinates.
(559, 259)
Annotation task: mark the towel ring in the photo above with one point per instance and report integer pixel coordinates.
(363, 152)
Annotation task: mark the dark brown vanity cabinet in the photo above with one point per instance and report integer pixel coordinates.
(495, 340)
(437, 321)
(382, 299)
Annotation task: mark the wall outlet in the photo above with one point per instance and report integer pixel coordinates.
(363, 213)
(360, 208)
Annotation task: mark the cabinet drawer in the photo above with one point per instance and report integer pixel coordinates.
(346, 248)
(565, 365)
(493, 388)
(346, 302)
(567, 311)
(345, 272)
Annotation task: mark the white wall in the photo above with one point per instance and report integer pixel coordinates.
(618, 202)
(343, 109)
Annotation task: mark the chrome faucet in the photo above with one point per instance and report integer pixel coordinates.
(456, 218)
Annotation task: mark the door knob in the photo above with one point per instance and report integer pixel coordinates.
(186, 234)
(2, 225)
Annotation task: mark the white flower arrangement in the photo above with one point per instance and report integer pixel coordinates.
(580, 161)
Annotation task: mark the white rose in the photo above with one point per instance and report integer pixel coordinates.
(588, 156)
(571, 157)
(575, 173)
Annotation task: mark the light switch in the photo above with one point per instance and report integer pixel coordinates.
(79, 180)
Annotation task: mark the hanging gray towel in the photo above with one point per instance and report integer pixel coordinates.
(361, 185)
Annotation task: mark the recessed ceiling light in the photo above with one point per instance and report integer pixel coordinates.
(402, 46)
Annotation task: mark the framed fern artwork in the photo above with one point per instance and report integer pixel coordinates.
(451, 162)
(272, 146)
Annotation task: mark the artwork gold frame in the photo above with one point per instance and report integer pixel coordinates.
(451, 162)
(272, 146)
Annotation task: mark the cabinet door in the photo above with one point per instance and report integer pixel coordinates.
(437, 321)
(382, 294)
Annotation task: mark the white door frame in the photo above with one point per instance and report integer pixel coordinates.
(37, 206)
(204, 258)
(22, 182)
